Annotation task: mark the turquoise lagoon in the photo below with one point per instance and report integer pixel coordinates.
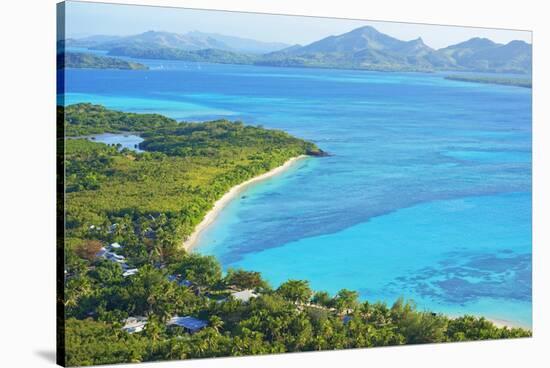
(426, 194)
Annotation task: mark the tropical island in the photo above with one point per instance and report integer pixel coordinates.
(517, 82)
(132, 293)
(90, 61)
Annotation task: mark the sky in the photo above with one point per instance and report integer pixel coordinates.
(85, 19)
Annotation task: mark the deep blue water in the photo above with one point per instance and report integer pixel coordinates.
(427, 194)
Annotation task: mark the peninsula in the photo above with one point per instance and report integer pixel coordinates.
(516, 82)
(91, 61)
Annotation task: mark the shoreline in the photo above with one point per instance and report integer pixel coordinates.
(498, 322)
(510, 324)
(220, 204)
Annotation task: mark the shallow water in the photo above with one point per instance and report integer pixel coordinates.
(427, 194)
(129, 141)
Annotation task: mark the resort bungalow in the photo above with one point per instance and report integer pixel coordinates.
(102, 253)
(189, 324)
(244, 296)
(134, 324)
(130, 272)
(172, 278)
(176, 278)
(115, 257)
(185, 283)
(116, 246)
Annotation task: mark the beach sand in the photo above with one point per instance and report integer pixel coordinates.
(209, 218)
(509, 324)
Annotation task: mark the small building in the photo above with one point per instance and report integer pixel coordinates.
(179, 281)
(172, 278)
(134, 324)
(244, 296)
(188, 323)
(130, 272)
(102, 253)
(185, 283)
(116, 246)
(115, 257)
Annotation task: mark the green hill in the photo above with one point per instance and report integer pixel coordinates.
(85, 60)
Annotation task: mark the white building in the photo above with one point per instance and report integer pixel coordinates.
(130, 272)
(134, 324)
(116, 246)
(244, 296)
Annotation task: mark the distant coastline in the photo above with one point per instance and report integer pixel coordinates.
(220, 204)
(515, 82)
(80, 60)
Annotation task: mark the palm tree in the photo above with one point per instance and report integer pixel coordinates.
(297, 291)
(153, 329)
(216, 323)
(346, 300)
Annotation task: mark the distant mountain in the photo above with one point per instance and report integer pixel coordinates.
(153, 39)
(361, 48)
(245, 45)
(190, 41)
(481, 54)
(90, 41)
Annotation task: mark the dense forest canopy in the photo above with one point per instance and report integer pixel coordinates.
(147, 203)
(84, 118)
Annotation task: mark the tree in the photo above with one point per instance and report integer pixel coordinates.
(204, 271)
(322, 298)
(75, 289)
(297, 291)
(154, 329)
(88, 249)
(418, 327)
(149, 292)
(216, 323)
(345, 300)
(244, 279)
(107, 273)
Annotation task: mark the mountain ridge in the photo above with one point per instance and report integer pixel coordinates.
(361, 48)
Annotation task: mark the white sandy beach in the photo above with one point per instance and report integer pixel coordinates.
(509, 324)
(209, 218)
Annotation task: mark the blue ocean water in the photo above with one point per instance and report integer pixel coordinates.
(427, 193)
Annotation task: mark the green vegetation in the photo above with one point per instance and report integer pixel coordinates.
(156, 198)
(149, 202)
(518, 82)
(84, 119)
(282, 320)
(169, 53)
(84, 60)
